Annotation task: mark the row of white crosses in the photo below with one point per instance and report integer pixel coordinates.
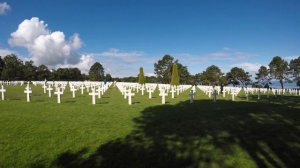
(210, 90)
(101, 89)
(75, 86)
(150, 88)
(126, 89)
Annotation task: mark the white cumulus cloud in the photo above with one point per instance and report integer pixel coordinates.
(86, 61)
(49, 48)
(249, 67)
(4, 7)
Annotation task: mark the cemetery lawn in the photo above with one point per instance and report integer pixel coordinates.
(75, 133)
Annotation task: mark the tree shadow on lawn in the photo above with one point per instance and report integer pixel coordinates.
(203, 134)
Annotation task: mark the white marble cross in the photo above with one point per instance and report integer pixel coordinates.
(209, 93)
(192, 94)
(126, 92)
(233, 94)
(178, 89)
(82, 87)
(247, 94)
(150, 91)
(93, 94)
(137, 88)
(142, 89)
(2, 90)
(173, 91)
(58, 93)
(163, 95)
(73, 90)
(129, 94)
(224, 91)
(28, 91)
(215, 93)
(100, 91)
(49, 90)
(44, 87)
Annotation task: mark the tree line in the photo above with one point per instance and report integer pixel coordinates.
(13, 68)
(278, 69)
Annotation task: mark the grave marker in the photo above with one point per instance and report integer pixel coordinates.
(58, 93)
(163, 95)
(28, 91)
(93, 94)
(49, 90)
(130, 94)
(192, 94)
(2, 90)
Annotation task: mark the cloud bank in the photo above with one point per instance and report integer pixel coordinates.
(49, 48)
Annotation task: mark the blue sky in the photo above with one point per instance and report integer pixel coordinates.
(124, 35)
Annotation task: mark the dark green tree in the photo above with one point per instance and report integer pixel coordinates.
(30, 71)
(43, 72)
(141, 76)
(74, 74)
(238, 76)
(162, 69)
(13, 68)
(279, 70)
(96, 72)
(223, 80)
(129, 79)
(184, 75)
(108, 77)
(175, 76)
(1, 66)
(262, 76)
(151, 79)
(211, 75)
(295, 69)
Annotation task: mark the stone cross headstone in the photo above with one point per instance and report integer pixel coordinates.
(142, 89)
(163, 95)
(130, 94)
(28, 91)
(173, 91)
(192, 94)
(44, 87)
(215, 93)
(93, 94)
(233, 94)
(49, 90)
(247, 94)
(209, 93)
(73, 90)
(125, 93)
(150, 91)
(58, 93)
(87, 88)
(82, 87)
(99, 90)
(2, 90)
(178, 89)
(224, 91)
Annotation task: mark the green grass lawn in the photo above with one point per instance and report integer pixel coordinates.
(75, 133)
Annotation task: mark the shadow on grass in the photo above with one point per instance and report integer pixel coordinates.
(203, 134)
